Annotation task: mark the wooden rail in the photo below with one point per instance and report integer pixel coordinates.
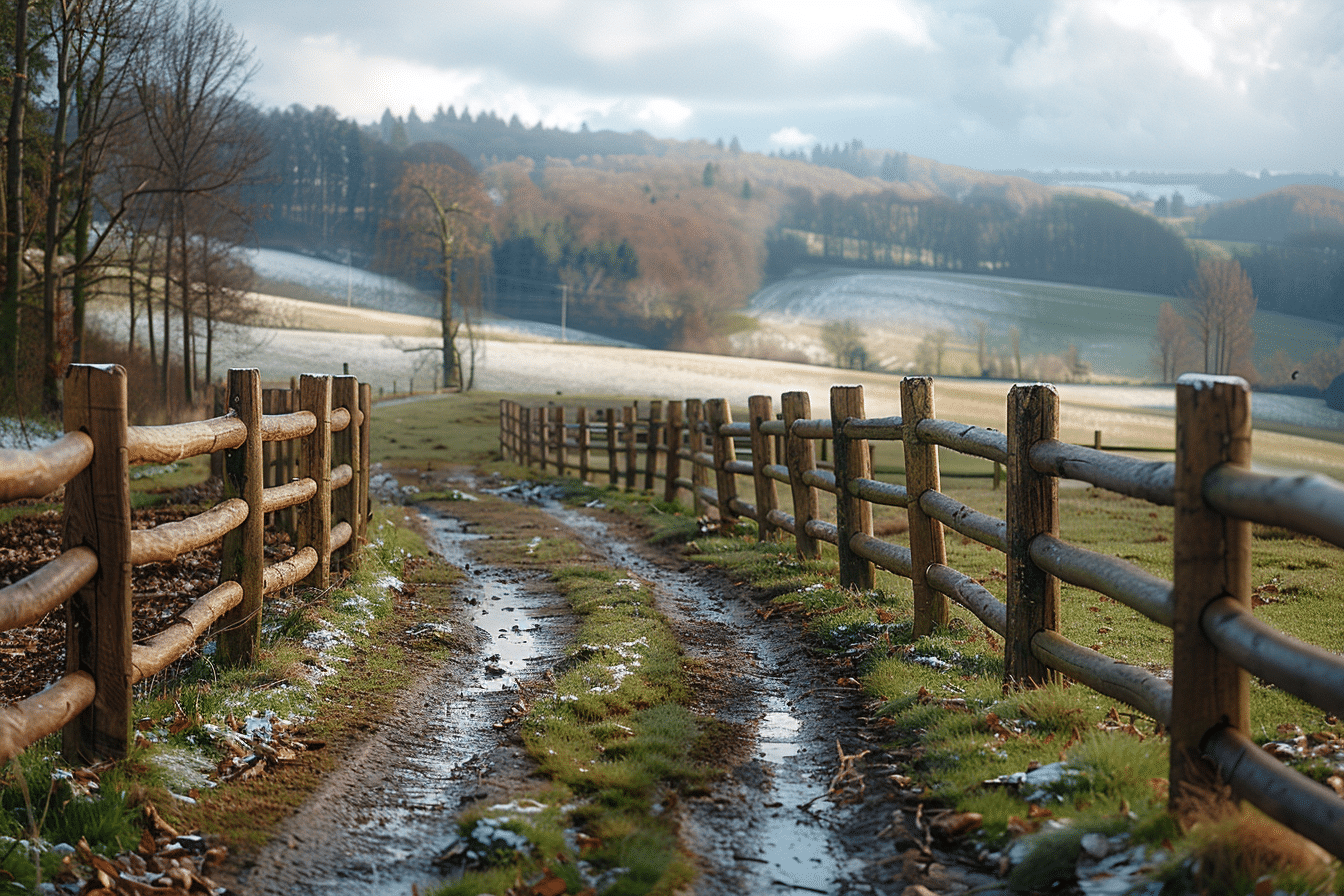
(1217, 641)
(92, 575)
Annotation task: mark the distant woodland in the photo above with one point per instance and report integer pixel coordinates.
(134, 168)
(657, 241)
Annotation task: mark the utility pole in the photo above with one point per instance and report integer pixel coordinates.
(564, 306)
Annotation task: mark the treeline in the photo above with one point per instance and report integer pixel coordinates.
(1298, 265)
(126, 141)
(1072, 239)
(853, 158)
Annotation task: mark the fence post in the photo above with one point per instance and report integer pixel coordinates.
(315, 464)
(613, 472)
(503, 428)
(800, 455)
(242, 557)
(525, 432)
(98, 516)
(719, 414)
(1212, 559)
(760, 409)
(1032, 509)
(651, 445)
(270, 473)
(695, 442)
(543, 418)
(558, 424)
(921, 474)
(584, 442)
(672, 441)
(289, 401)
(345, 450)
(628, 416)
(365, 429)
(853, 515)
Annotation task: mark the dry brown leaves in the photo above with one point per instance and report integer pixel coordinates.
(165, 863)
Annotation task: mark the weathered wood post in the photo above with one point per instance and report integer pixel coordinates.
(1212, 559)
(629, 414)
(921, 474)
(561, 453)
(315, 464)
(695, 439)
(543, 418)
(584, 443)
(673, 444)
(504, 429)
(760, 409)
(365, 429)
(651, 445)
(345, 450)
(719, 414)
(242, 558)
(800, 455)
(98, 516)
(525, 430)
(1032, 509)
(291, 448)
(613, 470)
(853, 515)
(269, 450)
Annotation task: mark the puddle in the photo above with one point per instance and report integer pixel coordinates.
(375, 829)
(499, 605)
(760, 830)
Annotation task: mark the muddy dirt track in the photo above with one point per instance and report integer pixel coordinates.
(811, 803)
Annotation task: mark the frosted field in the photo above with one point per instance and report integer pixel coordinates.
(389, 350)
(1113, 329)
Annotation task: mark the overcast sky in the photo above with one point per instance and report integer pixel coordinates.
(1096, 84)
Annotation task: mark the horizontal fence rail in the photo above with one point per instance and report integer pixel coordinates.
(322, 431)
(1217, 640)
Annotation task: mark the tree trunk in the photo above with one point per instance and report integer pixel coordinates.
(9, 299)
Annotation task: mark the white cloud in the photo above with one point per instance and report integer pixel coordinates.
(332, 71)
(792, 138)
(1098, 83)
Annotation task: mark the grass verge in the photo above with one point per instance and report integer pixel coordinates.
(329, 662)
(1041, 776)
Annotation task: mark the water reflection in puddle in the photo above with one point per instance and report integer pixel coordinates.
(781, 847)
(500, 609)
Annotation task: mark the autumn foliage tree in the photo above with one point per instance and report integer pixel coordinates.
(1222, 307)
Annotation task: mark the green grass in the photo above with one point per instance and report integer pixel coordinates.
(615, 739)
(941, 696)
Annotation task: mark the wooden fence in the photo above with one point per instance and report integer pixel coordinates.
(329, 426)
(1217, 641)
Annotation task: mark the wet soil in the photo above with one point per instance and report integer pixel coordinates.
(810, 802)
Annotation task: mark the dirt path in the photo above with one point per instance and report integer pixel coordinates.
(377, 823)
(780, 822)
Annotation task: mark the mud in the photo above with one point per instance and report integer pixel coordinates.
(377, 823)
(809, 805)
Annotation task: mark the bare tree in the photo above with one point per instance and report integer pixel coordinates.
(441, 211)
(1173, 343)
(200, 139)
(14, 202)
(96, 45)
(1222, 307)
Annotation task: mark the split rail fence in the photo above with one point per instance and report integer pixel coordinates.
(1217, 641)
(324, 432)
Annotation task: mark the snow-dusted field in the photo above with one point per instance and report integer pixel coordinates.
(390, 350)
